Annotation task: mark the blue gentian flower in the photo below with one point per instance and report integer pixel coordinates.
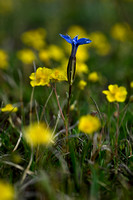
(75, 42)
(72, 60)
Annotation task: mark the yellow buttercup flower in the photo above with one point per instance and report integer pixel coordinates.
(59, 74)
(3, 59)
(131, 84)
(115, 93)
(38, 134)
(41, 77)
(82, 54)
(55, 53)
(93, 77)
(44, 55)
(6, 191)
(77, 30)
(89, 124)
(82, 84)
(100, 43)
(34, 38)
(9, 108)
(81, 68)
(120, 31)
(27, 56)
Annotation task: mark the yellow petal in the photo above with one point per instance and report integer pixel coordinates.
(113, 88)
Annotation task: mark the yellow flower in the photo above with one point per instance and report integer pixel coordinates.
(82, 54)
(34, 38)
(9, 108)
(3, 59)
(38, 134)
(59, 74)
(82, 84)
(41, 77)
(77, 30)
(81, 67)
(27, 56)
(100, 43)
(89, 124)
(93, 77)
(55, 52)
(44, 55)
(131, 84)
(115, 93)
(6, 191)
(120, 31)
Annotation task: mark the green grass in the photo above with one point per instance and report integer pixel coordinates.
(89, 169)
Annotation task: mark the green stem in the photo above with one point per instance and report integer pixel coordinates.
(44, 107)
(65, 123)
(68, 104)
(31, 103)
(117, 134)
(28, 167)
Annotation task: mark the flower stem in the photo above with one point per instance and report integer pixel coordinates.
(65, 123)
(31, 104)
(117, 134)
(28, 167)
(44, 107)
(54, 88)
(68, 104)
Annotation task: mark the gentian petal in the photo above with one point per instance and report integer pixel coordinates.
(83, 41)
(67, 38)
(75, 39)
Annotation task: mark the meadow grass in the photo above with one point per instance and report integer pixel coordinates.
(77, 166)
